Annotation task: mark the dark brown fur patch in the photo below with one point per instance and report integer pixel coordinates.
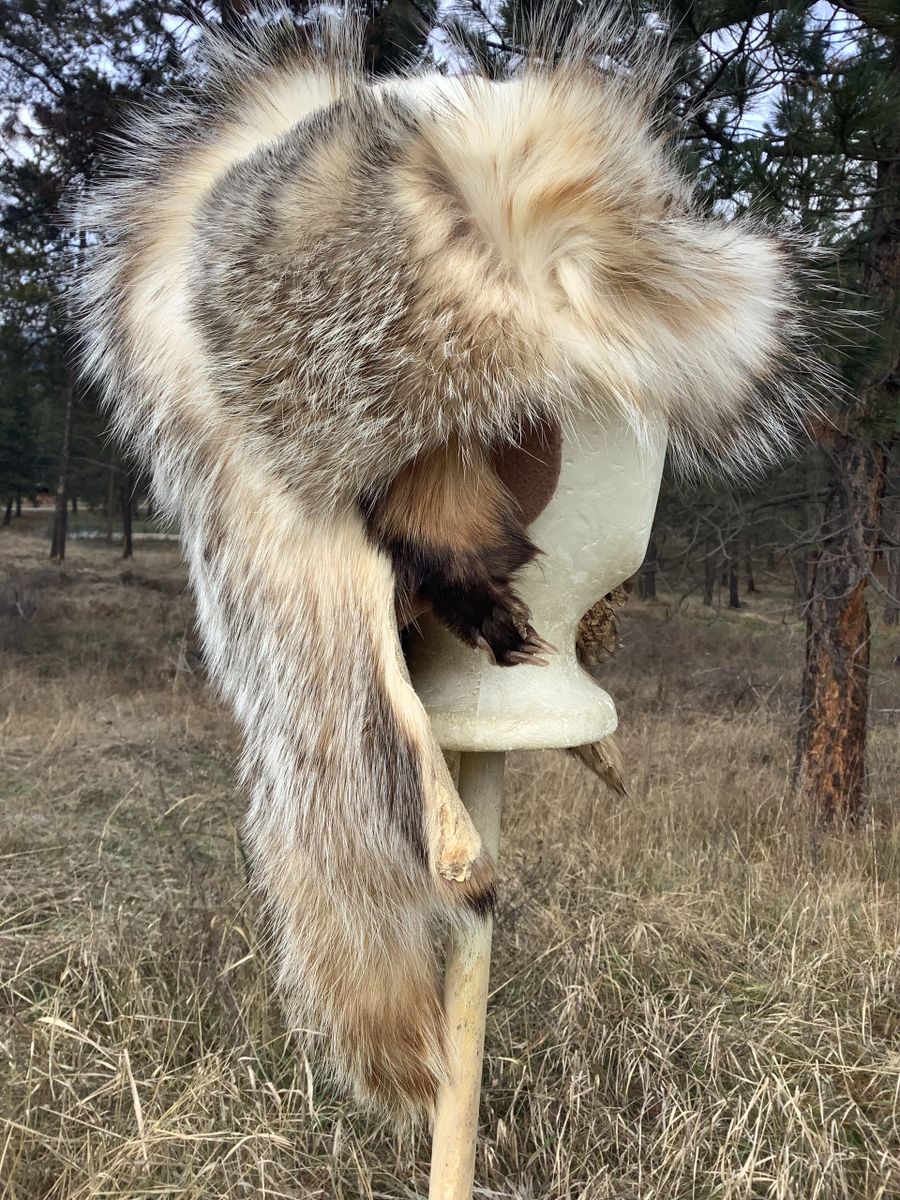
(456, 539)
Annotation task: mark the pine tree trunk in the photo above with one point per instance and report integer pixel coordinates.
(60, 520)
(7, 515)
(111, 504)
(891, 615)
(734, 595)
(748, 566)
(647, 577)
(801, 561)
(709, 575)
(74, 506)
(18, 504)
(127, 545)
(831, 747)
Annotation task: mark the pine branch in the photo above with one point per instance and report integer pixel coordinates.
(713, 20)
(876, 15)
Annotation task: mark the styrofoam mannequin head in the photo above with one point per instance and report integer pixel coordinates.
(593, 534)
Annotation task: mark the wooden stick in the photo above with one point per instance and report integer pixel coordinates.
(465, 1001)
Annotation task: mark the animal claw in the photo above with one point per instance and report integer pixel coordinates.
(534, 639)
(527, 660)
(485, 647)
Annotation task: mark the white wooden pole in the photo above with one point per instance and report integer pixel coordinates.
(465, 1000)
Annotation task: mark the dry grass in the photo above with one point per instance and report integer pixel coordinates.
(694, 995)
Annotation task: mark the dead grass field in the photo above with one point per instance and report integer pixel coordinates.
(694, 994)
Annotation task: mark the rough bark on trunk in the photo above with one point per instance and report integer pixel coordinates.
(831, 746)
(60, 519)
(127, 545)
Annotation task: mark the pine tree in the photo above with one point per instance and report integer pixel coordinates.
(65, 68)
(796, 110)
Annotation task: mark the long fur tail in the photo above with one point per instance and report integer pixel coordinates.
(307, 282)
(345, 785)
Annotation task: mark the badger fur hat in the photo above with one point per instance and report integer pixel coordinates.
(316, 304)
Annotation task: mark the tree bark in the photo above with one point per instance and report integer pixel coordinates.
(127, 545)
(647, 577)
(7, 515)
(18, 504)
(831, 746)
(801, 562)
(734, 595)
(60, 519)
(111, 504)
(748, 566)
(891, 615)
(709, 575)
